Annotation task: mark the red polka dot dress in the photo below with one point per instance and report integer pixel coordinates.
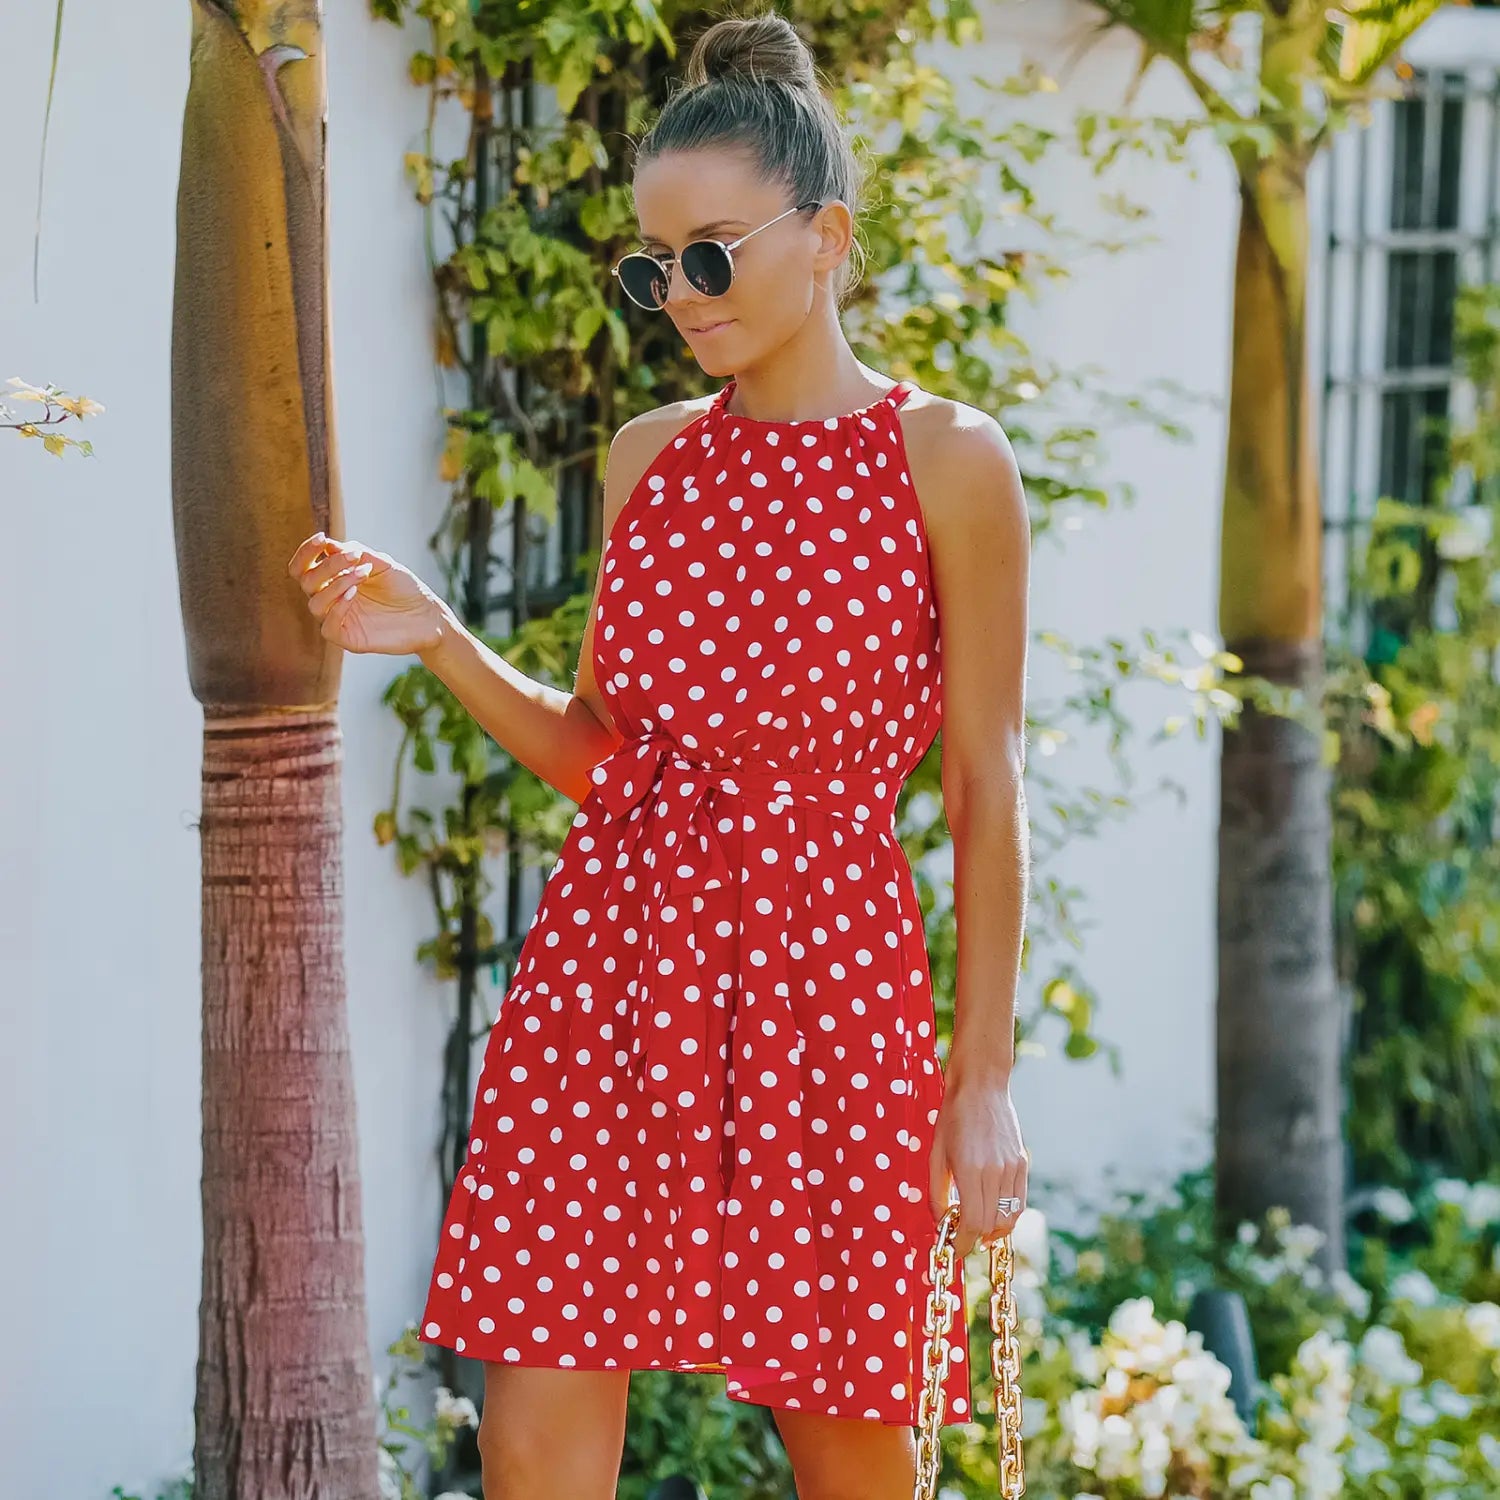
(702, 1128)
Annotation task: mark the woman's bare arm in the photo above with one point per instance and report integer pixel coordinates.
(981, 539)
(980, 536)
(559, 735)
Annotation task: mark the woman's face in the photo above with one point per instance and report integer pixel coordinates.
(693, 195)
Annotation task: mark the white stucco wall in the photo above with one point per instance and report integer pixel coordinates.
(99, 903)
(99, 1063)
(1150, 313)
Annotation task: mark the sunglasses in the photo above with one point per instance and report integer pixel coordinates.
(707, 264)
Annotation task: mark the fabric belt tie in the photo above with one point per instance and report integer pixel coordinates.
(668, 1022)
(674, 802)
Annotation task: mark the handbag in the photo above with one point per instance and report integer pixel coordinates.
(1005, 1362)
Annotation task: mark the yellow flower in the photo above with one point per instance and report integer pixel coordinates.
(80, 406)
(1422, 721)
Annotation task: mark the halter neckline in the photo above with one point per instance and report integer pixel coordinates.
(892, 397)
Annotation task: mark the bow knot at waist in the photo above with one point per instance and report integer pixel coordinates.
(650, 781)
(656, 762)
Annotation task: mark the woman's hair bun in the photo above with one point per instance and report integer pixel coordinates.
(760, 48)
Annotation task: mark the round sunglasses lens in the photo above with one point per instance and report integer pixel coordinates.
(644, 280)
(707, 267)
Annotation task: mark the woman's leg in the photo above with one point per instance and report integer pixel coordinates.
(552, 1432)
(848, 1458)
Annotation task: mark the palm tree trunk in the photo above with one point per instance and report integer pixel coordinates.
(284, 1373)
(285, 1400)
(1280, 1029)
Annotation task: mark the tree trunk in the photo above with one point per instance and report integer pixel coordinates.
(284, 1370)
(1280, 1027)
(285, 1401)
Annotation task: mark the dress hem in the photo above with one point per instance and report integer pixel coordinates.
(763, 1393)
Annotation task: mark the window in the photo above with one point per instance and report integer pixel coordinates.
(1403, 212)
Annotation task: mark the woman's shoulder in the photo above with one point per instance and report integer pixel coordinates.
(938, 413)
(640, 441)
(957, 455)
(648, 432)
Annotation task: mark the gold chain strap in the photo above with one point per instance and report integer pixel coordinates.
(1005, 1362)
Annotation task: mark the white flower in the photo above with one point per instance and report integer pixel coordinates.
(1300, 1241)
(1483, 1207)
(1482, 1319)
(1438, 1466)
(1263, 1268)
(1324, 1359)
(1350, 1293)
(1415, 1287)
(1322, 1473)
(1467, 537)
(1392, 1205)
(1167, 1397)
(1132, 1319)
(1029, 1240)
(456, 1411)
(390, 1476)
(1382, 1351)
(1450, 1401)
(1368, 1456)
(1277, 1487)
(1247, 1233)
(1417, 1409)
(1080, 1423)
(1204, 1379)
(1117, 1447)
(1086, 1357)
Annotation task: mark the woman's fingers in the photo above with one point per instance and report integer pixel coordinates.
(307, 548)
(320, 559)
(309, 556)
(937, 1182)
(343, 556)
(337, 588)
(343, 602)
(977, 1193)
(1013, 1186)
(980, 1221)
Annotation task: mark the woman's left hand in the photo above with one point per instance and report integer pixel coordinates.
(977, 1144)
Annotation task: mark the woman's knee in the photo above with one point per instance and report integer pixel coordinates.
(552, 1430)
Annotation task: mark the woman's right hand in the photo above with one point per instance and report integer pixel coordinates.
(366, 600)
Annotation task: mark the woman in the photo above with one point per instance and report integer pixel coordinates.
(711, 1132)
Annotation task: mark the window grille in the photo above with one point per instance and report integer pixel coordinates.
(1403, 212)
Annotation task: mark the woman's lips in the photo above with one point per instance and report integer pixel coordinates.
(711, 327)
